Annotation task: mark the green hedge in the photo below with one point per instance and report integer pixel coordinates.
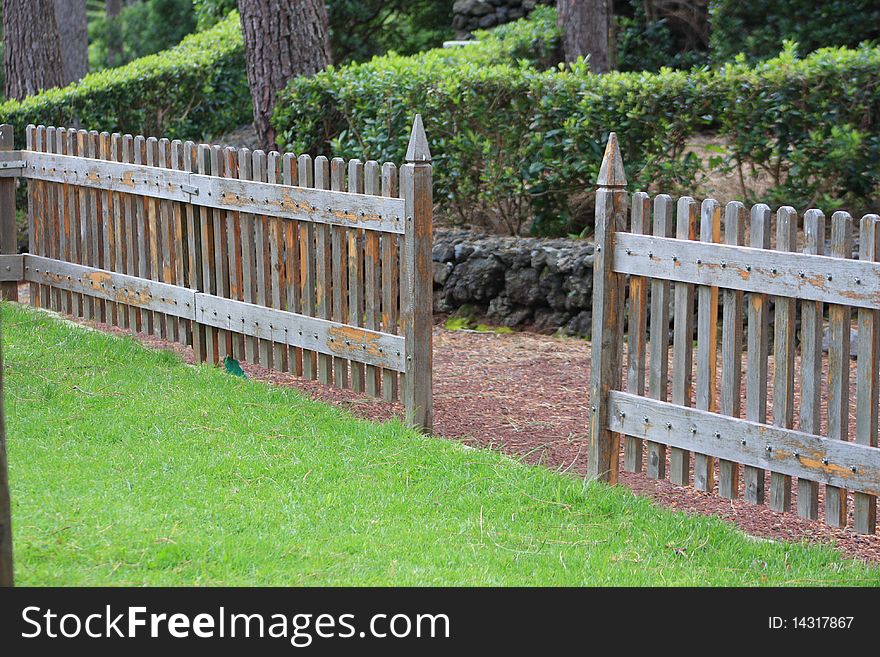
(195, 89)
(519, 147)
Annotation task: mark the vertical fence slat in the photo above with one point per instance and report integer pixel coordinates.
(707, 344)
(235, 339)
(292, 264)
(757, 353)
(95, 219)
(839, 325)
(276, 260)
(867, 397)
(307, 264)
(731, 350)
(76, 300)
(8, 228)
(179, 258)
(41, 206)
(116, 219)
(64, 224)
(146, 317)
(248, 267)
(130, 230)
(52, 220)
(165, 238)
(206, 239)
(658, 371)
(194, 254)
(638, 298)
(33, 225)
(683, 336)
(811, 363)
(340, 271)
(323, 269)
(390, 281)
(356, 271)
(261, 255)
(154, 231)
(783, 358)
(218, 252)
(372, 297)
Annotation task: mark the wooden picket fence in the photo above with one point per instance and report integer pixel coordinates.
(683, 271)
(316, 267)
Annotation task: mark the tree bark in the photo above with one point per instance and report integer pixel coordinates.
(73, 29)
(114, 37)
(587, 29)
(6, 578)
(33, 50)
(282, 39)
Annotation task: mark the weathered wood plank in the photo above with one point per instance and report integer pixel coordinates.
(839, 325)
(194, 254)
(372, 283)
(323, 269)
(757, 352)
(658, 384)
(307, 289)
(248, 267)
(64, 223)
(75, 244)
(178, 238)
(291, 264)
(206, 238)
(757, 445)
(8, 227)
(311, 333)
(640, 213)
(811, 363)
(608, 293)
(33, 223)
(235, 341)
(340, 272)
(683, 339)
(154, 232)
(867, 385)
(783, 357)
(128, 201)
(111, 286)
(85, 201)
(301, 203)
(390, 281)
(794, 275)
(731, 349)
(220, 265)
(276, 260)
(145, 323)
(166, 236)
(261, 255)
(97, 231)
(355, 239)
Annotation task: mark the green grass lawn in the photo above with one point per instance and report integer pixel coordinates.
(130, 467)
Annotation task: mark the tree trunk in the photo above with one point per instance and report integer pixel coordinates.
(5, 511)
(114, 36)
(282, 39)
(73, 28)
(33, 50)
(587, 29)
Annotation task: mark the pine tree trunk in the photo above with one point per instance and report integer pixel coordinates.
(73, 28)
(32, 55)
(282, 39)
(587, 30)
(114, 36)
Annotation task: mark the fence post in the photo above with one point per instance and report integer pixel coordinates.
(608, 293)
(8, 232)
(417, 288)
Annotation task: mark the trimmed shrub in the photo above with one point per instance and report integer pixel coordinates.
(196, 89)
(517, 147)
(759, 28)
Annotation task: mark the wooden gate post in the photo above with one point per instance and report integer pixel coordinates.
(608, 299)
(8, 232)
(418, 287)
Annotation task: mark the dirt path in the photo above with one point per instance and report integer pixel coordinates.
(527, 395)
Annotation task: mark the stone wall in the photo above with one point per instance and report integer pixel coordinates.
(470, 15)
(544, 285)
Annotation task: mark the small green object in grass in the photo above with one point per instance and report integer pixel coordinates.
(232, 367)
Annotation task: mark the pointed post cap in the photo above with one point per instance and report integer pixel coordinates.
(418, 150)
(611, 173)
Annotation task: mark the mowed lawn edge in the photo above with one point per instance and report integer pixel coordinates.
(130, 467)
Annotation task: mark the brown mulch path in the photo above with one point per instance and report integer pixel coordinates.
(527, 396)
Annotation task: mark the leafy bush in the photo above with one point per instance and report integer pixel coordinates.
(140, 29)
(517, 146)
(812, 124)
(195, 89)
(759, 28)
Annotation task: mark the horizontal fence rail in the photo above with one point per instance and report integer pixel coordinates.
(316, 267)
(738, 350)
